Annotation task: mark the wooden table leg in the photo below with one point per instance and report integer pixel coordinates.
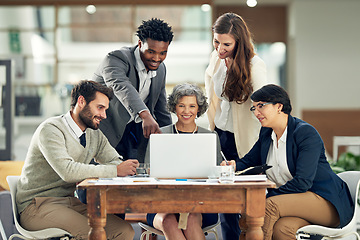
(96, 201)
(255, 212)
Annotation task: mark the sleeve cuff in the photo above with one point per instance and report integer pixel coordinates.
(137, 117)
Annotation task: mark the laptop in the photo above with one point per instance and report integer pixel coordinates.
(182, 155)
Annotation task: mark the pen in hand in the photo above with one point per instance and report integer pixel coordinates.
(222, 154)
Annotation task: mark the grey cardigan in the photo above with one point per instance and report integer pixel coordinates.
(56, 161)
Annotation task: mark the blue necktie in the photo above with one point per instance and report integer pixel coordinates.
(83, 140)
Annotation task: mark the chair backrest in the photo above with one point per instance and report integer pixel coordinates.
(40, 234)
(12, 181)
(352, 179)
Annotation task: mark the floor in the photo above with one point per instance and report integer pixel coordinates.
(137, 229)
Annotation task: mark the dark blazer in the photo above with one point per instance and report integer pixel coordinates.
(118, 71)
(307, 163)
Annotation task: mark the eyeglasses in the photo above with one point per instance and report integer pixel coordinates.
(259, 106)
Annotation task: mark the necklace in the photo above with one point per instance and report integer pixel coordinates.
(178, 131)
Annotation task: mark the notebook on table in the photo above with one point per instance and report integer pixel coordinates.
(182, 155)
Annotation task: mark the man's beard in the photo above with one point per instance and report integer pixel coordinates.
(87, 118)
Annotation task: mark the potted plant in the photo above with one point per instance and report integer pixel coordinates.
(347, 162)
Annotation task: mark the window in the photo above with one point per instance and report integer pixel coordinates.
(54, 47)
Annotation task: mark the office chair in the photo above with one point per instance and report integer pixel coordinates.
(150, 230)
(316, 232)
(25, 234)
(2, 231)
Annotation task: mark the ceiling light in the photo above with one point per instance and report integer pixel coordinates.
(251, 3)
(90, 9)
(205, 7)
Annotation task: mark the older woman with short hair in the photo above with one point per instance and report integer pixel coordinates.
(188, 102)
(187, 89)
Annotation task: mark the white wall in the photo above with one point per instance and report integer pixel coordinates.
(324, 54)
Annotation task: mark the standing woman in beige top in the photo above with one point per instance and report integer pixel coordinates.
(233, 74)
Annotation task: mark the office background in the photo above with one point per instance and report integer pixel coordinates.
(311, 47)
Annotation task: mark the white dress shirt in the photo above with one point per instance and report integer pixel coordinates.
(279, 173)
(144, 76)
(145, 81)
(74, 129)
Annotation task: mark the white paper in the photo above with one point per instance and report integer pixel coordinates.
(123, 180)
(242, 178)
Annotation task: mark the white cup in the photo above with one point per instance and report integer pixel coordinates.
(227, 174)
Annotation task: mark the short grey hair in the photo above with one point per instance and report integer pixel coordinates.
(187, 89)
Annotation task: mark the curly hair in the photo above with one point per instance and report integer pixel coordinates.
(238, 85)
(187, 89)
(88, 90)
(155, 29)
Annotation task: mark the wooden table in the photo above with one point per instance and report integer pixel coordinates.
(247, 198)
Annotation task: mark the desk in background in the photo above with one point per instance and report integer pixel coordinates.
(247, 198)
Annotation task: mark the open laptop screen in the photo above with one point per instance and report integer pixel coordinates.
(182, 155)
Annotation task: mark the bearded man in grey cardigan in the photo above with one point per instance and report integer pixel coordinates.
(59, 157)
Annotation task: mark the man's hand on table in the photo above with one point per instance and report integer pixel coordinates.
(127, 167)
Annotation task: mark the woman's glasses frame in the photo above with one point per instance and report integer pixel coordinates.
(259, 106)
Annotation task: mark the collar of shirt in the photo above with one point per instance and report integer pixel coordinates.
(282, 138)
(71, 124)
(140, 67)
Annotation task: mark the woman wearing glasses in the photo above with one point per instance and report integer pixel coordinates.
(234, 72)
(307, 190)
